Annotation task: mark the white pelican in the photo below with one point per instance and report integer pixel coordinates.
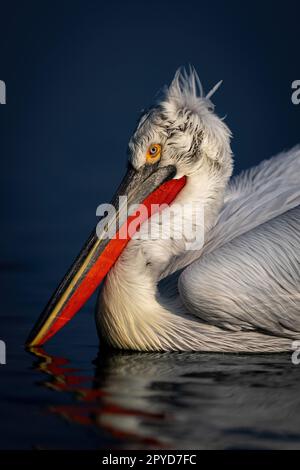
(240, 291)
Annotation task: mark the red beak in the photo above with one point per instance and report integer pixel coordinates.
(151, 186)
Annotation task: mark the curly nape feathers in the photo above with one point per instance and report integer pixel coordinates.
(187, 91)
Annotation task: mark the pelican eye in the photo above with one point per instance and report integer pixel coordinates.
(153, 153)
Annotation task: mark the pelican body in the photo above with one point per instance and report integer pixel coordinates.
(239, 291)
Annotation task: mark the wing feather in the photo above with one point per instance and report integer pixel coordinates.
(253, 197)
(252, 282)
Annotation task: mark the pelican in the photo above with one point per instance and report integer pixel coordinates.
(239, 292)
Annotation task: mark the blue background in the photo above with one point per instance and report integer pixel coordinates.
(77, 74)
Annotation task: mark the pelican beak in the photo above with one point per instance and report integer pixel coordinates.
(151, 186)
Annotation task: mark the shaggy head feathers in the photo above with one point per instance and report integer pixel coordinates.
(185, 124)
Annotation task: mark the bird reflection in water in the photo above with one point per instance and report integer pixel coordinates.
(181, 400)
(94, 405)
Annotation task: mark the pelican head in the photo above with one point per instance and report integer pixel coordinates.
(179, 151)
(185, 130)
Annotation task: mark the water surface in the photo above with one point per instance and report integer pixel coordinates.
(72, 395)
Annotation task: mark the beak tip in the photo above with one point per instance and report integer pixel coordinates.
(31, 340)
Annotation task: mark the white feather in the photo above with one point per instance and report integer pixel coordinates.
(242, 291)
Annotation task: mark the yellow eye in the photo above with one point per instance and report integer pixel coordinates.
(153, 153)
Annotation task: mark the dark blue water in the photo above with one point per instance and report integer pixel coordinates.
(74, 397)
(77, 75)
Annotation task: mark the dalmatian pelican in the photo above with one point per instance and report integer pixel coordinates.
(239, 292)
